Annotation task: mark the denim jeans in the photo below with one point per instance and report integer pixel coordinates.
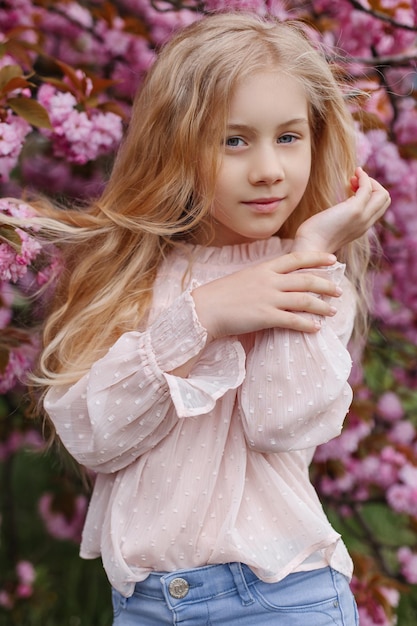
(231, 594)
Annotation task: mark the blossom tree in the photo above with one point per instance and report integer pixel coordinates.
(68, 72)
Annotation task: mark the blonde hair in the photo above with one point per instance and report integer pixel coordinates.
(161, 187)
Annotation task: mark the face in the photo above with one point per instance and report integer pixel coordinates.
(265, 159)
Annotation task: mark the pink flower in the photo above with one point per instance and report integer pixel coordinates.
(347, 443)
(21, 359)
(58, 104)
(363, 146)
(25, 572)
(79, 136)
(162, 21)
(20, 439)
(402, 432)
(6, 600)
(374, 615)
(12, 136)
(57, 523)
(408, 474)
(403, 499)
(14, 264)
(24, 591)
(389, 407)
(390, 455)
(256, 6)
(77, 13)
(385, 160)
(406, 124)
(57, 176)
(408, 563)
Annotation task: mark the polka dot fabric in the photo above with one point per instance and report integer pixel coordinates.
(212, 468)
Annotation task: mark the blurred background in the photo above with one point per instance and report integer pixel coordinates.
(68, 72)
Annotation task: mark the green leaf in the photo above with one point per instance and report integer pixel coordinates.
(31, 111)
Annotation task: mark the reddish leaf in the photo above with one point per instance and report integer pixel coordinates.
(71, 74)
(101, 84)
(113, 107)
(16, 83)
(58, 83)
(9, 72)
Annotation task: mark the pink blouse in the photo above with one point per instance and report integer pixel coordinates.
(211, 468)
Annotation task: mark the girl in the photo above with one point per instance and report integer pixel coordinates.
(195, 353)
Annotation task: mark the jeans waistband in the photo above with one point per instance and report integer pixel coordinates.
(200, 583)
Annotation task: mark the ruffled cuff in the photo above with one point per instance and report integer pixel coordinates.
(333, 272)
(177, 336)
(220, 368)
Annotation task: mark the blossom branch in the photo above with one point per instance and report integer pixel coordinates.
(178, 5)
(381, 16)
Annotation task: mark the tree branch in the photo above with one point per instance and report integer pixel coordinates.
(393, 60)
(178, 5)
(381, 16)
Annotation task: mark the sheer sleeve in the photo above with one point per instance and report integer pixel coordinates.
(127, 403)
(295, 394)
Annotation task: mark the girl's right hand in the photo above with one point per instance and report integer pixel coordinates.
(342, 223)
(267, 295)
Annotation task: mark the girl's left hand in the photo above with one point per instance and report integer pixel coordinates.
(337, 226)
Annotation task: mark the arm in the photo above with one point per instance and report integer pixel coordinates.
(267, 295)
(127, 403)
(295, 394)
(301, 394)
(274, 293)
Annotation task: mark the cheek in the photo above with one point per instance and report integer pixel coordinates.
(305, 169)
(304, 174)
(224, 184)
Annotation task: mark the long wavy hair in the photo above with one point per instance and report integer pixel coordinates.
(161, 187)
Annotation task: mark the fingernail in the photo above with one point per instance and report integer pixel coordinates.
(339, 291)
(333, 310)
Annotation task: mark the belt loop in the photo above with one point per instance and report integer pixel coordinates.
(241, 584)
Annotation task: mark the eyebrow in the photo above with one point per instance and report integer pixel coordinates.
(291, 122)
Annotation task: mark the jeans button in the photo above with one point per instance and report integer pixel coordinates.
(178, 588)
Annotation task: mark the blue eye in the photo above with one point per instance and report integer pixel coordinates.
(233, 142)
(286, 139)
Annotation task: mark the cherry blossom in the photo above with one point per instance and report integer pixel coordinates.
(60, 525)
(72, 46)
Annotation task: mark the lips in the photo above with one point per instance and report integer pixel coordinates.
(263, 205)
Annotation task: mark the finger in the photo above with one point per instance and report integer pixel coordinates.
(301, 260)
(364, 190)
(308, 284)
(376, 197)
(305, 303)
(299, 323)
(354, 184)
(381, 192)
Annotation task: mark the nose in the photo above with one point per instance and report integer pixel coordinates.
(266, 166)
